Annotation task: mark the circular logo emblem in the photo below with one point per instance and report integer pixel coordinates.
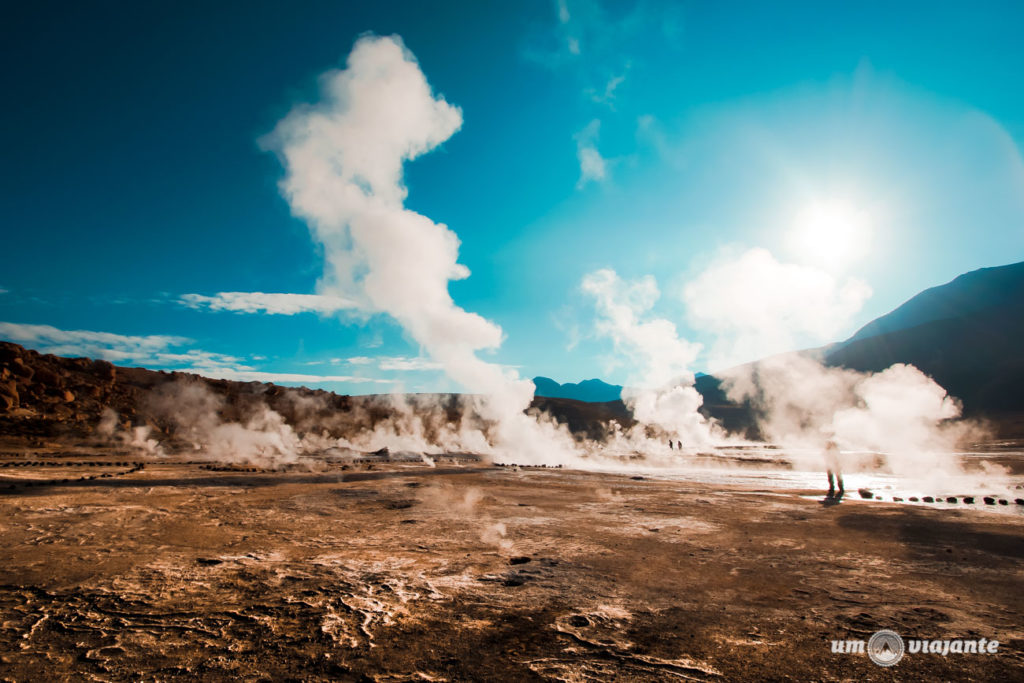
(885, 648)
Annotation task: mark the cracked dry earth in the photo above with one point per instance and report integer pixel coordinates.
(173, 572)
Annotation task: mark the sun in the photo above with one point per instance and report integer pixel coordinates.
(830, 234)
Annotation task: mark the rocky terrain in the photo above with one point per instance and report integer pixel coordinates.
(127, 561)
(50, 397)
(460, 572)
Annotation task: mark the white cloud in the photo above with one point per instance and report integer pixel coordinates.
(607, 96)
(563, 12)
(289, 377)
(406, 364)
(272, 303)
(389, 363)
(113, 347)
(161, 352)
(757, 306)
(593, 167)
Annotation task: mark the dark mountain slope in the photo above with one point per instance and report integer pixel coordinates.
(987, 289)
(979, 358)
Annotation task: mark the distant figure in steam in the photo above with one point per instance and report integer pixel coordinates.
(670, 444)
(835, 473)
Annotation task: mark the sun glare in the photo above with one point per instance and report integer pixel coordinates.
(830, 234)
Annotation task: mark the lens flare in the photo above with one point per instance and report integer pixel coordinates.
(831, 234)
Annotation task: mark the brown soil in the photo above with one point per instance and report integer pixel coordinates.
(461, 572)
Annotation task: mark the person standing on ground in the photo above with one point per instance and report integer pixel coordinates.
(832, 467)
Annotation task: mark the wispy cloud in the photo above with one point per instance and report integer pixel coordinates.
(606, 95)
(270, 303)
(288, 377)
(389, 363)
(582, 27)
(404, 364)
(162, 352)
(594, 43)
(593, 166)
(113, 347)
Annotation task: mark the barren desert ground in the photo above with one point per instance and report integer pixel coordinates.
(398, 571)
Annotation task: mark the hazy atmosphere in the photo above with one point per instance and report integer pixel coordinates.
(840, 162)
(566, 341)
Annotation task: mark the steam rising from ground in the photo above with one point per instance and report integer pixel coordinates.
(899, 419)
(136, 439)
(661, 396)
(191, 417)
(899, 414)
(261, 436)
(344, 158)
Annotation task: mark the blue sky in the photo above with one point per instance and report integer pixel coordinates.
(652, 138)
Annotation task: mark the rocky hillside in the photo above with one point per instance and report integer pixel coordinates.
(51, 397)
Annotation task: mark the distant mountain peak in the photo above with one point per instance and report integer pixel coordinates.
(589, 390)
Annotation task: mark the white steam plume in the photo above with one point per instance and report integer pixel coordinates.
(661, 392)
(343, 158)
(900, 414)
(757, 306)
(752, 305)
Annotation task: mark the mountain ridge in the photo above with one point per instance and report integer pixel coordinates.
(969, 293)
(589, 390)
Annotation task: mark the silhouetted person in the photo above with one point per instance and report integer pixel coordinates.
(835, 473)
(670, 444)
(679, 445)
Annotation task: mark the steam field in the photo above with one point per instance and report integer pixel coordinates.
(387, 569)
